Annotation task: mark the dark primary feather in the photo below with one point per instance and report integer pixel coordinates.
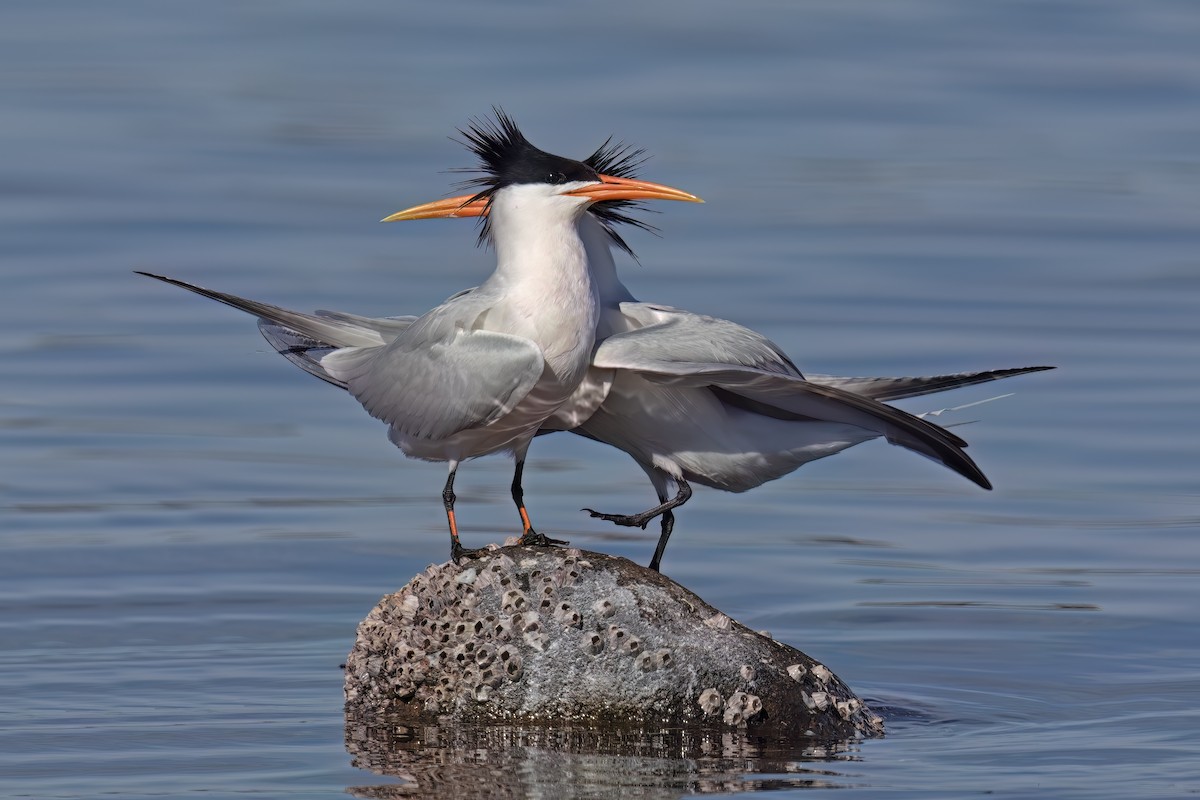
(887, 389)
(303, 351)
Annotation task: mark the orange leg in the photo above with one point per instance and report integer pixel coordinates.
(528, 534)
(457, 551)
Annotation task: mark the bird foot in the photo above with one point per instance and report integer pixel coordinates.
(535, 539)
(458, 552)
(628, 520)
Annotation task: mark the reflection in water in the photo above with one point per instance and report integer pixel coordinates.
(517, 762)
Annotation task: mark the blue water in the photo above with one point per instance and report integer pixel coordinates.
(190, 528)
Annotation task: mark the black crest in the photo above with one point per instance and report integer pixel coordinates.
(506, 158)
(621, 161)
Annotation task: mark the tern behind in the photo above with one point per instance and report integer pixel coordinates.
(696, 399)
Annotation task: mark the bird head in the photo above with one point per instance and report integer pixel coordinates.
(511, 168)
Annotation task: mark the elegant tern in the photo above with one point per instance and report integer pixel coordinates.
(696, 399)
(482, 372)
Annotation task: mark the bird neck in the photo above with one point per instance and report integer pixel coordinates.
(538, 243)
(598, 245)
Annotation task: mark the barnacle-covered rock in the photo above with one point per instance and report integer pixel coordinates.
(551, 635)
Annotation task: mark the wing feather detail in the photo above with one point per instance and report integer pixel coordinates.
(433, 389)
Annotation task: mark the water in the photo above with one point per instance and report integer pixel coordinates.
(190, 529)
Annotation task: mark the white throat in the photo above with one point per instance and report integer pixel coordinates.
(542, 269)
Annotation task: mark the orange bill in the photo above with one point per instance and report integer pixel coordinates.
(461, 206)
(609, 188)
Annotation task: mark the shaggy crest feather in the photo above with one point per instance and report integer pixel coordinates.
(506, 157)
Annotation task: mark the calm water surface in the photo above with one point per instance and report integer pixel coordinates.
(190, 529)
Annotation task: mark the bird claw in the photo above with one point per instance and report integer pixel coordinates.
(458, 552)
(628, 520)
(535, 539)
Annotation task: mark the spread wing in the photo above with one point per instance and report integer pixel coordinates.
(782, 396)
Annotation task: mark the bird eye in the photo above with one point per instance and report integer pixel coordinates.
(557, 177)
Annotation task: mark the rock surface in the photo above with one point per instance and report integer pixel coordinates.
(561, 636)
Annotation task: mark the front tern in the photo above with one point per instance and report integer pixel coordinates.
(482, 372)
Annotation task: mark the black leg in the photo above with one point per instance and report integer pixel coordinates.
(668, 525)
(643, 519)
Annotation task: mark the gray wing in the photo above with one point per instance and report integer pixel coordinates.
(886, 389)
(437, 379)
(430, 383)
(388, 328)
(698, 338)
(790, 397)
(306, 352)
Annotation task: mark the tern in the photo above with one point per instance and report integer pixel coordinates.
(482, 372)
(697, 399)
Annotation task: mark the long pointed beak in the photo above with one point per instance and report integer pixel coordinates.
(461, 206)
(610, 188)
